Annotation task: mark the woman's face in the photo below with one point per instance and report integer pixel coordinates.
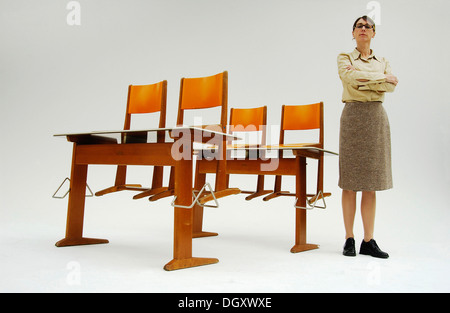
(363, 31)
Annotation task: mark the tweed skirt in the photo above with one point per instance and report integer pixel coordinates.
(364, 147)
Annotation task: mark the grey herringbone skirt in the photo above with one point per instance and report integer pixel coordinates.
(364, 147)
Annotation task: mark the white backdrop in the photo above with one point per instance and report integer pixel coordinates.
(56, 77)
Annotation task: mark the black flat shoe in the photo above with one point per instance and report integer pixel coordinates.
(371, 248)
(349, 247)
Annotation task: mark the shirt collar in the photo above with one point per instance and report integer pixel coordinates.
(357, 55)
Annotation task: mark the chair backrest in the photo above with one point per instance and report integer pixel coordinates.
(202, 93)
(146, 99)
(302, 117)
(249, 119)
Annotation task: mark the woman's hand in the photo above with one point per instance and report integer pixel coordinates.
(391, 79)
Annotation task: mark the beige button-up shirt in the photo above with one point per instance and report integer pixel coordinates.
(372, 69)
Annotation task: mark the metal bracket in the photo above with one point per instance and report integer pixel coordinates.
(310, 206)
(196, 199)
(68, 190)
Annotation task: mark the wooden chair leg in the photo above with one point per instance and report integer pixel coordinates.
(119, 183)
(276, 189)
(259, 189)
(157, 182)
(170, 191)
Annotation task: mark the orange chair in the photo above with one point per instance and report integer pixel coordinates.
(142, 99)
(250, 120)
(301, 117)
(202, 93)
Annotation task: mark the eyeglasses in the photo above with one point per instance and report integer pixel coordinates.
(367, 26)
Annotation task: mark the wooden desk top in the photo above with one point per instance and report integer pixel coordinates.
(287, 147)
(108, 136)
(149, 130)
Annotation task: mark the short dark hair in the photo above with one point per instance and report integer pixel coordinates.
(365, 18)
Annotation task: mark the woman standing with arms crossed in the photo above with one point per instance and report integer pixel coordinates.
(364, 139)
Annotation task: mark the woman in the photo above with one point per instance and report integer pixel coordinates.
(364, 139)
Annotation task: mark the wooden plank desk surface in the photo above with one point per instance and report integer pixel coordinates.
(148, 130)
(287, 147)
(141, 132)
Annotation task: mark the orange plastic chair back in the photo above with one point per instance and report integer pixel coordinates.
(203, 92)
(255, 117)
(146, 98)
(301, 117)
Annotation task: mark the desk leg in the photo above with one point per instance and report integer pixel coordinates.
(300, 214)
(75, 210)
(183, 221)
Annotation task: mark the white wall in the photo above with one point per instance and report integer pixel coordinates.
(58, 78)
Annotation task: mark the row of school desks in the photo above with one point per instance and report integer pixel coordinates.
(101, 148)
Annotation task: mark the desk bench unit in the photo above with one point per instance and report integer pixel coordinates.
(100, 148)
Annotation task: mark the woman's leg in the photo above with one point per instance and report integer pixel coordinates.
(369, 246)
(348, 210)
(368, 206)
